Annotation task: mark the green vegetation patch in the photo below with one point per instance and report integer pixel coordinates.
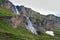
(6, 12)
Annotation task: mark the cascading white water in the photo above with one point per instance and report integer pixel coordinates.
(30, 26)
(17, 10)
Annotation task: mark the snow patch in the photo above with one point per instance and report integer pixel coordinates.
(50, 33)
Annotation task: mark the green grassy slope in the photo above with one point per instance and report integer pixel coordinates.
(5, 12)
(7, 32)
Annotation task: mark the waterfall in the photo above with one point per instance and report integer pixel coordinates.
(17, 10)
(30, 26)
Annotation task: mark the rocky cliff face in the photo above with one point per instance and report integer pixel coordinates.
(55, 19)
(40, 22)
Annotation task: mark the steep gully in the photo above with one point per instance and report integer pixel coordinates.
(29, 26)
